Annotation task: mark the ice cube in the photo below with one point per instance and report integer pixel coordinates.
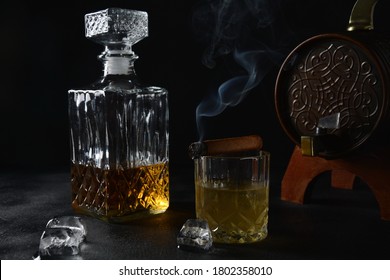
(62, 237)
(58, 242)
(74, 223)
(195, 235)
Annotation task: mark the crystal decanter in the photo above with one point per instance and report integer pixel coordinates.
(119, 128)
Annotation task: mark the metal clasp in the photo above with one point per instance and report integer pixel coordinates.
(362, 15)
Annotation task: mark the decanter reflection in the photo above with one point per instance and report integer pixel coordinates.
(119, 128)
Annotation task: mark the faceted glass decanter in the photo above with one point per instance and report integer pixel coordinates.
(119, 128)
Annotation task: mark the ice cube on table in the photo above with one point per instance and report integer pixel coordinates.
(62, 237)
(58, 242)
(74, 223)
(195, 234)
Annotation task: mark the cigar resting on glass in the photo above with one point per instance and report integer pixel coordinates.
(226, 146)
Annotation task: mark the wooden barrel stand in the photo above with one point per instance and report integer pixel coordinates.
(373, 169)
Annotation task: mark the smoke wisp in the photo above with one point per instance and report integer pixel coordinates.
(247, 31)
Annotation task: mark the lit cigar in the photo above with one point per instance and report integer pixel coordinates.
(234, 145)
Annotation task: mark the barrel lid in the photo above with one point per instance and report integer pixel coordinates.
(326, 75)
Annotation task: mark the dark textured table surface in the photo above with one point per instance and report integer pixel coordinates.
(333, 224)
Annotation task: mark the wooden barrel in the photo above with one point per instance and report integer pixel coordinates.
(347, 75)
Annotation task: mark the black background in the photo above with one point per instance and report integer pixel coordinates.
(44, 54)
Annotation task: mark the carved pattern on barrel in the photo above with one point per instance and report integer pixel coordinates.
(334, 77)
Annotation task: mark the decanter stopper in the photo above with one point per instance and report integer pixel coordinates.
(114, 26)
